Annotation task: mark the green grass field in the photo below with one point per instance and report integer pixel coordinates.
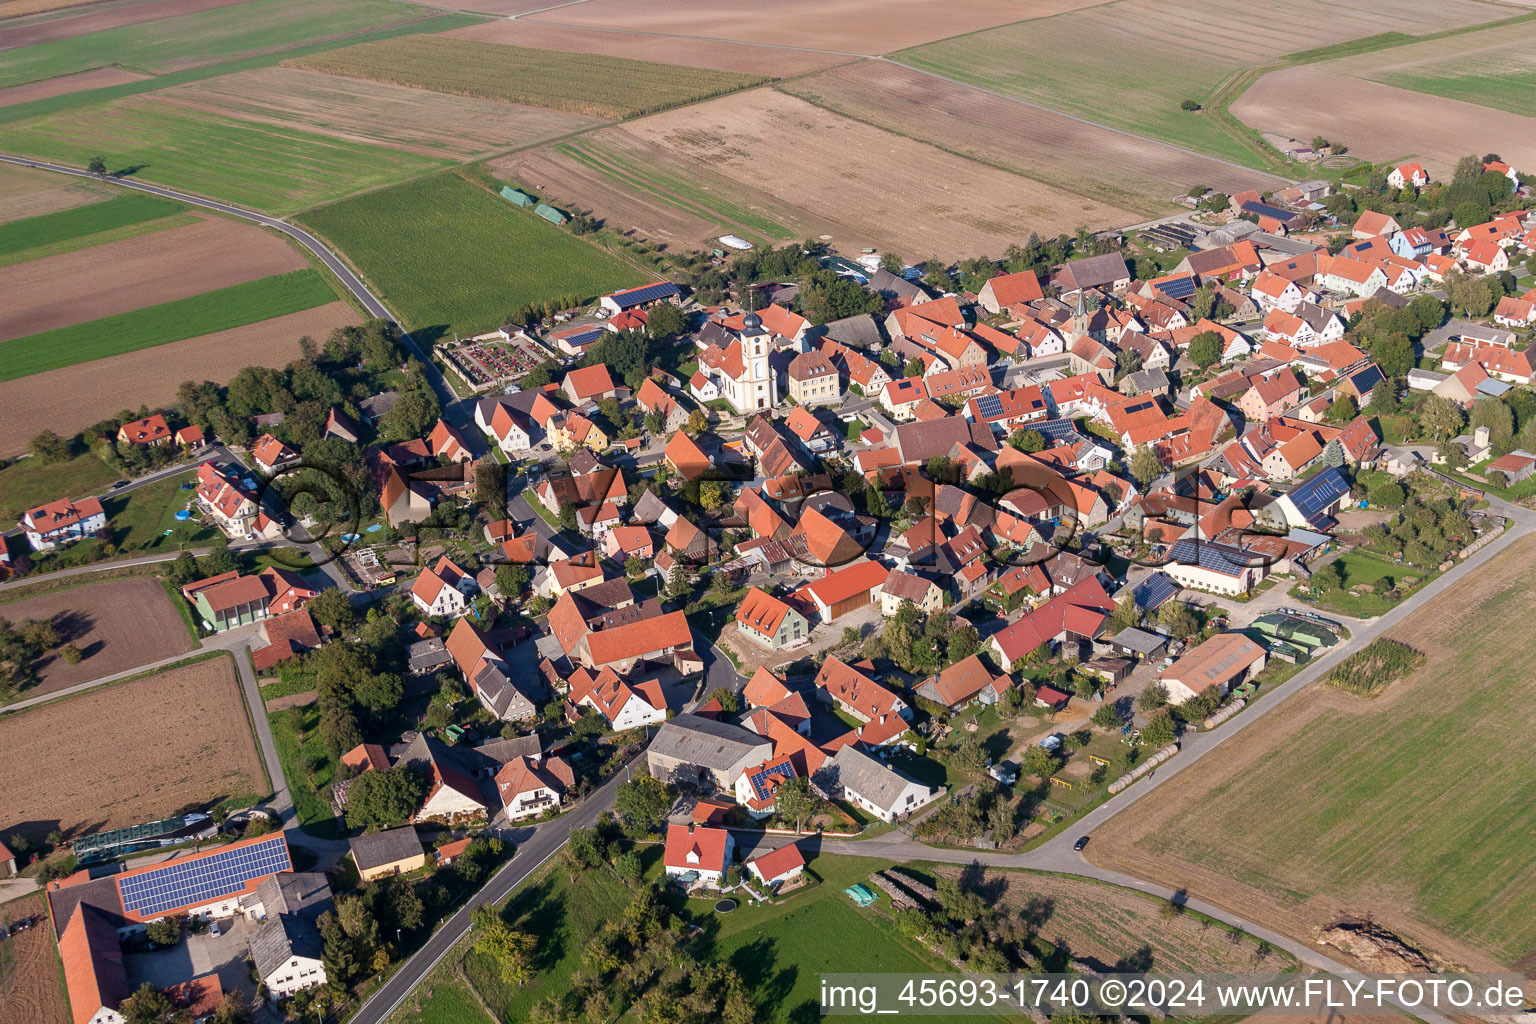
(584, 83)
(445, 1002)
(204, 36)
(63, 245)
(67, 225)
(144, 519)
(191, 317)
(1364, 567)
(1144, 59)
(448, 254)
(1413, 808)
(1495, 68)
(268, 167)
(30, 482)
(308, 767)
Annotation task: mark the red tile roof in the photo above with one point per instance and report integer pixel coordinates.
(778, 862)
(588, 382)
(695, 848)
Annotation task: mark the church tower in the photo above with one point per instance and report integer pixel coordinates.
(758, 385)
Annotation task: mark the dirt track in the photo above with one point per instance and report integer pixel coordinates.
(129, 752)
(1381, 122)
(87, 284)
(72, 398)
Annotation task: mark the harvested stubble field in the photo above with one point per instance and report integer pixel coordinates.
(117, 625)
(69, 399)
(857, 184)
(130, 752)
(201, 37)
(414, 120)
(1495, 68)
(448, 254)
(773, 61)
(99, 78)
(177, 320)
(95, 17)
(1109, 924)
(276, 168)
(25, 193)
(1135, 174)
(1144, 60)
(1382, 122)
(31, 985)
(1411, 809)
(581, 83)
(857, 26)
(145, 271)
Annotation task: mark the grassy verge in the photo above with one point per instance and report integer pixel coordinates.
(307, 766)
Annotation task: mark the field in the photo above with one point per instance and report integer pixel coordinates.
(118, 625)
(146, 271)
(70, 399)
(308, 766)
(170, 44)
(450, 255)
(1409, 809)
(1496, 68)
(31, 982)
(859, 26)
(98, 17)
(29, 483)
(1382, 122)
(1145, 60)
(581, 83)
(66, 225)
(211, 311)
(445, 1001)
(1134, 174)
(178, 738)
(96, 78)
(276, 168)
(697, 53)
(1107, 924)
(849, 183)
(25, 193)
(414, 120)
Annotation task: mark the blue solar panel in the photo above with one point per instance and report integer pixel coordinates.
(1178, 288)
(1220, 558)
(1055, 430)
(193, 883)
(1317, 495)
(1366, 378)
(989, 407)
(759, 778)
(645, 293)
(1154, 590)
(1265, 210)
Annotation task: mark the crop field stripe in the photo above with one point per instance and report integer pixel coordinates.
(53, 104)
(147, 227)
(581, 83)
(83, 220)
(218, 310)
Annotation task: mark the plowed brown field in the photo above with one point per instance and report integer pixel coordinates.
(117, 625)
(1381, 122)
(92, 17)
(31, 989)
(129, 752)
(1119, 169)
(699, 53)
(823, 174)
(857, 26)
(91, 283)
(97, 78)
(27, 193)
(69, 399)
(415, 120)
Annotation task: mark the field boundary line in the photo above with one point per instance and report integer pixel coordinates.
(153, 668)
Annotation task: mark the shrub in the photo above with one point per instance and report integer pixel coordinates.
(1372, 669)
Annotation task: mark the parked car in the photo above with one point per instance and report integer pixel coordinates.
(1082, 841)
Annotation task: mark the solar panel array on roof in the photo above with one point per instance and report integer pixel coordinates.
(1313, 498)
(646, 293)
(1178, 288)
(989, 407)
(1154, 590)
(1220, 558)
(1055, 431)
(1265, 210)
(583, 336)
(1366, 378)
(195, 882)
(759, 778)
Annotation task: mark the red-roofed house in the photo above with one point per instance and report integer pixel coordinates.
(533, 785)
(152, 430)
(855, 693)
(271, 454)
(685, 457)
(1078, 614)
(770, 621)
(1485, 257)
(757, 788)
(443, 589)
(1408, 174)
(961, 683)
(1270, 396)
(1009, 289)
(844, 590)
(63, 521)
(698, 855)
(589, 384)
(777, 866)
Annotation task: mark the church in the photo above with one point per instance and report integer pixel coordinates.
(735, 367)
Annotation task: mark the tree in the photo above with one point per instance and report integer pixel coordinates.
(148, 1005)
(1333, 454)
(567, 516)
(1429, 311)
(331, 607)
(384, 797)
(1388, 494)
(1343, 409)
(164, 931)
(48, 447)
(665, 320)
(1205, 349)
(1159, 730)
(1037, 761)
(969, 758)
(1145, 465)
(511, 579)
(1153, 697)
(730, 701)
(1190, 106)
(1497, 417)
(1178, 618)
(512, 950)
(1441, 417)
(71, 654)
(1027, 441)
(98, 165)
(1003, 825)
(795, 802)
(642, 803)
(1106, 717)
(233, 1009)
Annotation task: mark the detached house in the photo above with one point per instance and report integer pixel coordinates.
(865, 782)
(653, 398)
(1008, 290)
(63, 521)
(624, 703)
(270, 454)
(813, 379)
(533, 785)
(697, 854)
(443, 590)
(1408, 174)
(152, 431)
(1269, 396)
(770, 621)
(589, 384)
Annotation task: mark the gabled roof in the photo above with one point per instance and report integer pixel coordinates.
(685, 456)
(763, 612)
(772, 864)
(764, 689)
(845, 583)
(93, 964)
(1082, 609)
(696, 848)
(958, 683)
(1023, 286)
(855, 689)
(588, 382)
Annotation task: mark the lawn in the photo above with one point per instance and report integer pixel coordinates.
(172, 43)
(1364, 567)
(31, 482)
(144, 519)
(308, 767)
(82, 220)
(582, 83)
(445, 1002)
(449, 255)
(268, 167)
(1411, 809)
(191, 317)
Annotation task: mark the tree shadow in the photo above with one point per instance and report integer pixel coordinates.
(1037, 910)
